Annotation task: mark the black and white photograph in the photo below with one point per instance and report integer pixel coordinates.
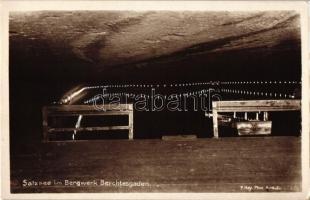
(121, 101)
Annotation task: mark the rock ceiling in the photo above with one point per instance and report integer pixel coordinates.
(115, 38)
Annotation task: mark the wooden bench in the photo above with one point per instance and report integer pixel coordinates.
(251, 106)
(86, 110)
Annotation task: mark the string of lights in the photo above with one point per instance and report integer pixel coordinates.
(151, 85)
(208, 84)
(257, 93)
(259, 82)
(191, 84)
(147, 96)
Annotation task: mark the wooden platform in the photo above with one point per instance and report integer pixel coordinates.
(178, 137)
(204, 165)
(251, 106)
(88, 110)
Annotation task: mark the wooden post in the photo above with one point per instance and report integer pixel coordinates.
(215, 122)
(45, 124)
(77, 125)
(257, 116)
(265, 116)
(130, 125)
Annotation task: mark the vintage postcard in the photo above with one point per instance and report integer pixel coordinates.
(155, 100)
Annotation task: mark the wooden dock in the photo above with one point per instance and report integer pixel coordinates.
(86, 110)
(255, 106)
(202, 165)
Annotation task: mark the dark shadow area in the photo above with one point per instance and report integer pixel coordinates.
(31, 88)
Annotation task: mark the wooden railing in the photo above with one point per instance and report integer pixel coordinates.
(86, 110)
(251, 106)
